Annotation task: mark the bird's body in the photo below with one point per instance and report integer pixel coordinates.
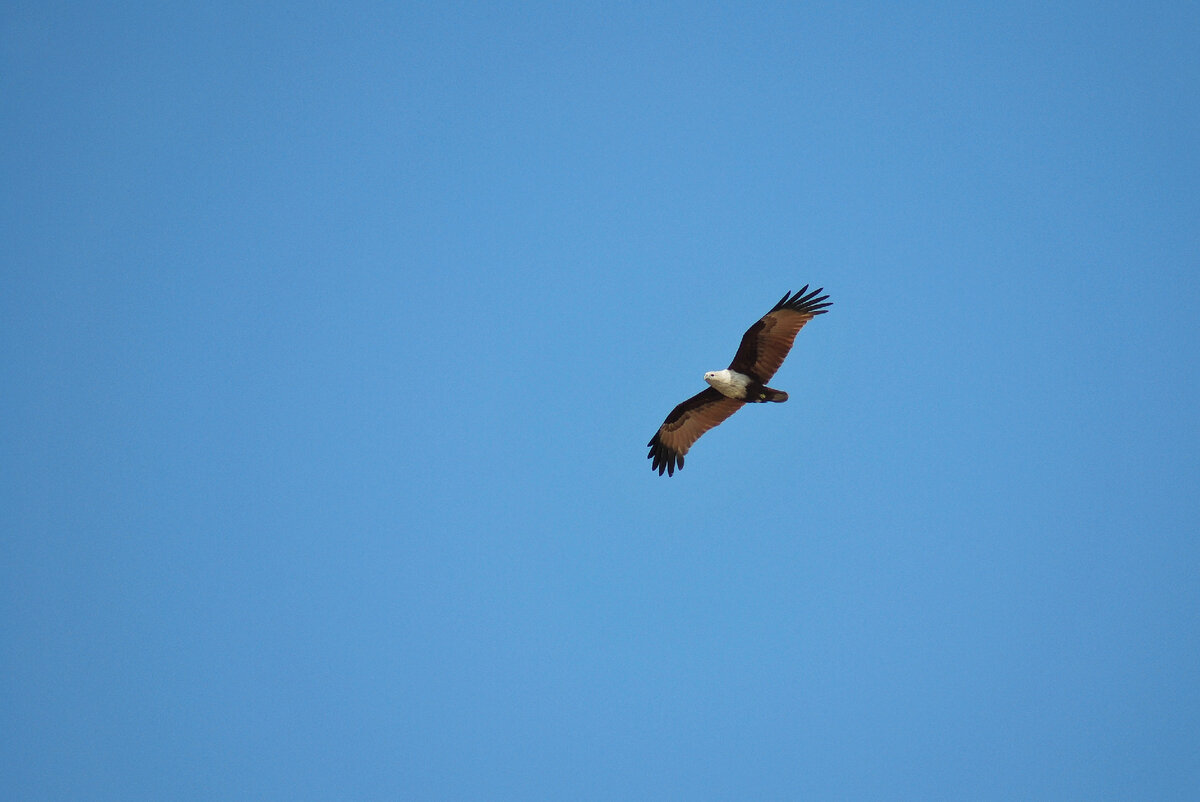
(732, 384)
(763, 349)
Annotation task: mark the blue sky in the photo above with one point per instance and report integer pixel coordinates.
(333, 335)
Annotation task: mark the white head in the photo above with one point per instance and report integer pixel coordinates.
(728, 382)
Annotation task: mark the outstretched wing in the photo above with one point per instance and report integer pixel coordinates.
(684, 426)
(766, 344)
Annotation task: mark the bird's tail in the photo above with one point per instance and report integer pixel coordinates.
(778, 396)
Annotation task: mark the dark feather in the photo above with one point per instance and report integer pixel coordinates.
(684, 426)
(766, 344)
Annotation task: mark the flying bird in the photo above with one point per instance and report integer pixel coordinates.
(764, 347)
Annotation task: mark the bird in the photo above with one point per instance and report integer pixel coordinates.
(763, 348)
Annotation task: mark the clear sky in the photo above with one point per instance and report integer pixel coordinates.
(333, 334)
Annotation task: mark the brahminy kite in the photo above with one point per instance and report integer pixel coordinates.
(764, 347)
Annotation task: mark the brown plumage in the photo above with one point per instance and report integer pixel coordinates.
(763, 348)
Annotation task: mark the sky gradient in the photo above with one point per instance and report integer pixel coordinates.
(333, 335)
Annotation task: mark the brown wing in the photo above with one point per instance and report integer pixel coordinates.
(684, 426)
(766, 344)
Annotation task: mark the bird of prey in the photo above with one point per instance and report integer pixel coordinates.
(764, 347)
